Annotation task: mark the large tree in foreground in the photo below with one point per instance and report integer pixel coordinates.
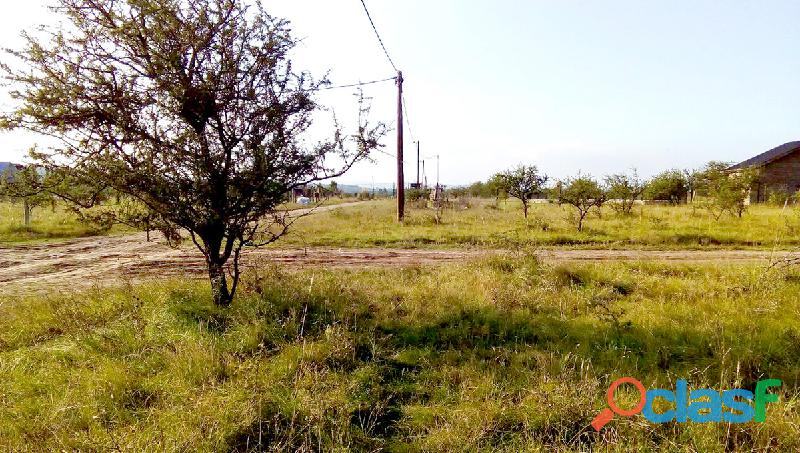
(190, 107)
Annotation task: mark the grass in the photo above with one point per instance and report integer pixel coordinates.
(46, 224)
(49, 224)
(334, 201)
(485, 225)
(503, 354)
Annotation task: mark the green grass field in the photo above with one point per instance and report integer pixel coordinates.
(333, 201)
(504, 354)
(46, 224)
(49, 224)
(485, 225)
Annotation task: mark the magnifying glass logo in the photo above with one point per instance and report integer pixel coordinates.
(606, 415)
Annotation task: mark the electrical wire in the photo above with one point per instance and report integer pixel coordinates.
(390, 155)
(369, 16)
(408, 121)
(388, 57)
(359, 84)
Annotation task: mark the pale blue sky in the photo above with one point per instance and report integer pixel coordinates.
(590, 86)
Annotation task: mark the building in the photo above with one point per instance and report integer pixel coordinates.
(779, 171)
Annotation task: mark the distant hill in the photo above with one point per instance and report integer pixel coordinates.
(349, 189)
(5, 166)
(358, 188)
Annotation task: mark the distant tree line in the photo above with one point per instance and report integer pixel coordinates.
(714, 187)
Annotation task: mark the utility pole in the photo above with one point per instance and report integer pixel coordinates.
(418, 186)
(401, 193)
(437, 170)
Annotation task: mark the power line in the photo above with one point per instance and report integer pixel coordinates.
(389, 154)
(408, 121)
(354, 84)
(378, 35)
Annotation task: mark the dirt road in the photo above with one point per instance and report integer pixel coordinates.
(86, 261)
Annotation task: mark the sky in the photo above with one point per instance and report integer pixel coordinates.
(590, 87)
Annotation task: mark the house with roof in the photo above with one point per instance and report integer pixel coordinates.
(779, 171)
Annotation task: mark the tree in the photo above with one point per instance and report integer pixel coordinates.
(670, 185)
(692, 178)
(23, 184)
(478, 189)
(333, 189)
(522, 183)
(130, 212)
(626, 189)
(584, 193)
(482, 189)
(727, 190)
(191, 107)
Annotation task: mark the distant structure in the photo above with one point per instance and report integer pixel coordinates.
(779, 171)
(298, 192)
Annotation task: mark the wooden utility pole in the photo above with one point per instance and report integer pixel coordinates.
(418, 186)
(401, 193)
(437, 170)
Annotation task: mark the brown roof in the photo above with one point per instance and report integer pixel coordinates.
(769, 156)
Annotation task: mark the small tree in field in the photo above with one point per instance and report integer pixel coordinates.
(584, 193)
(692, 179)
(190, 107)
(522, 183)
(727, 190)
(23, 185)
(625, 189)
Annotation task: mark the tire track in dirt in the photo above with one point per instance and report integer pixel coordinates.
(115, 259)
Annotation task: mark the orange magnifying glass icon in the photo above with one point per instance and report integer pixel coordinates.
(606, 415)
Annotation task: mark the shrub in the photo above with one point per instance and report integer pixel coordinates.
(670, 185)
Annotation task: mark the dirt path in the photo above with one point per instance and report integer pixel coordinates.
(107, 259)
(83, 262)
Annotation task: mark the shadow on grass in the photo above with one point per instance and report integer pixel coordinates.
(460, 336)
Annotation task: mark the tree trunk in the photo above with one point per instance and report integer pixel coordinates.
(27, 208)
(525, 209)
(581, 216)
(219, 283)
